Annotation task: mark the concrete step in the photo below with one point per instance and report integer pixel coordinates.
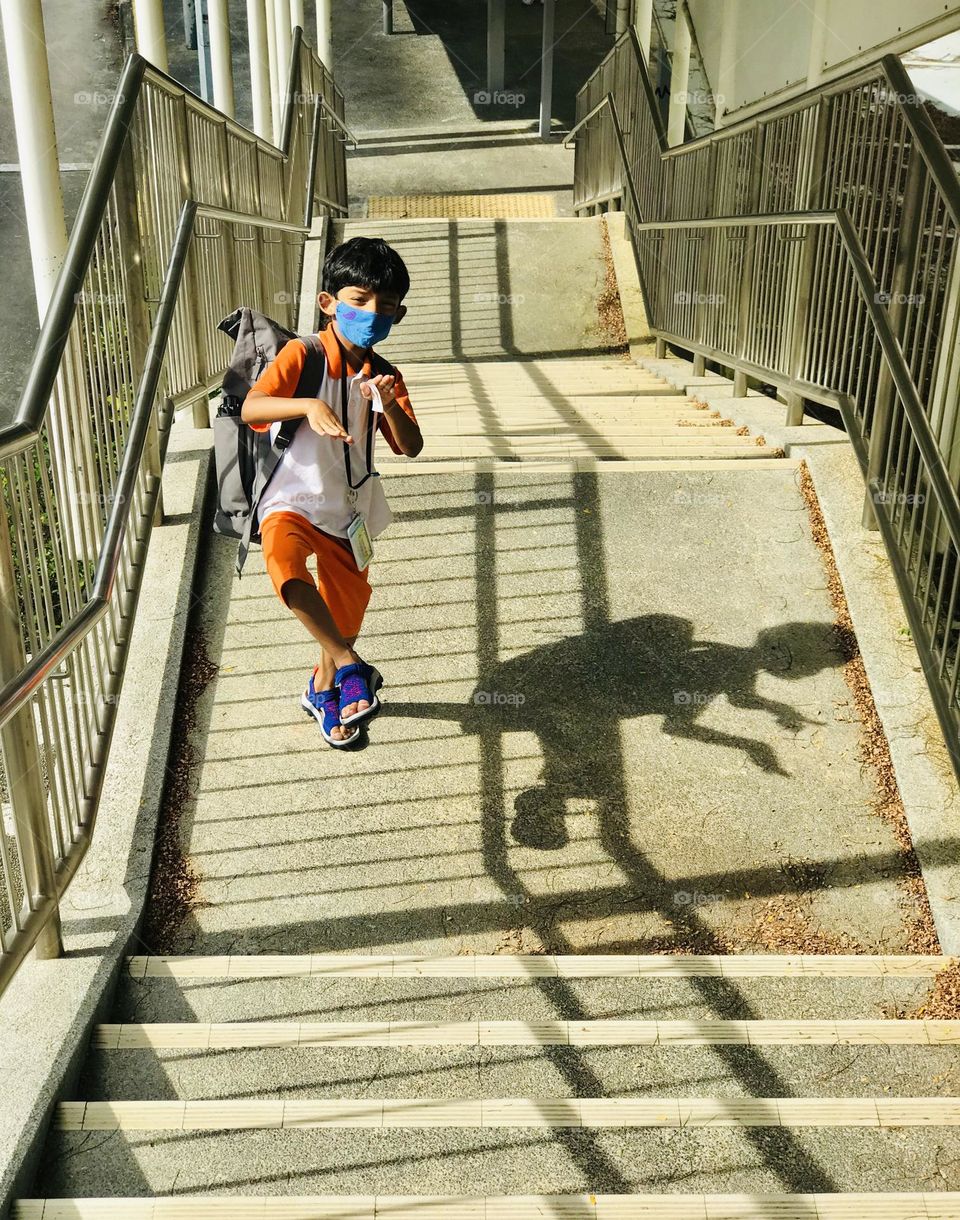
(571, 448)
(905, 1206)
(531, 1158)
(393, 1112)
(542, 1070)
(537, 988)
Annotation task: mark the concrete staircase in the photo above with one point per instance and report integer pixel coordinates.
(473, 1042)
(506, 1086)
(601, 408)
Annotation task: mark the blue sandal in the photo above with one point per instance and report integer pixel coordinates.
(324, 707)
(358, 681)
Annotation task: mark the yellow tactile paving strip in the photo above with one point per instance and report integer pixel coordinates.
(521, 965)
(878, 1206)
(214, 1036)
(510, 206)
(544, 1112)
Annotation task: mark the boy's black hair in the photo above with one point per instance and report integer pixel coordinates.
(367, 262)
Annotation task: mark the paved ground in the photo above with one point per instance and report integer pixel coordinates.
(588, 743)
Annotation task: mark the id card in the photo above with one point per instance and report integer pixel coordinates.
(359, 539)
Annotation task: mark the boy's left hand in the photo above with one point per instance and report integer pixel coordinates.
(384, 383)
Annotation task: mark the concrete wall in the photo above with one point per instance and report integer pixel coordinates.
(770, 44)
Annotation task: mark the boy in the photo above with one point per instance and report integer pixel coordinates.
(327, 474)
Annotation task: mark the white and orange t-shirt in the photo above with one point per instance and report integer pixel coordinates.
(312, 479)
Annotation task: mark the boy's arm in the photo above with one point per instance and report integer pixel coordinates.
(260, 410)
(269, 401)
(398, 422)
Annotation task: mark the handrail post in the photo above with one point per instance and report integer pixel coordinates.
(903, 273)
(138, 314)
(388, 16)
(22, 759)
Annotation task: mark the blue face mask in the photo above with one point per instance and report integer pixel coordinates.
(362, 327)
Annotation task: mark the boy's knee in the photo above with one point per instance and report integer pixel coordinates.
(296, 589)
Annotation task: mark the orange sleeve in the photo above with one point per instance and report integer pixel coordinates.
(279, 379)
(400, 392)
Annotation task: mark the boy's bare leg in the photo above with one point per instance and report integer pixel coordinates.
(310, 608)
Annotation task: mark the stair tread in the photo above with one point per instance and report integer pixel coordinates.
(879, 1205)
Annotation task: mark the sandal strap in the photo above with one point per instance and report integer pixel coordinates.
(354, 683)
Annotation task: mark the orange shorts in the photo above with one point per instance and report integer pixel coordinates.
(288, 539)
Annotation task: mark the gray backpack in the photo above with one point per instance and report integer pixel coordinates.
(246, 460)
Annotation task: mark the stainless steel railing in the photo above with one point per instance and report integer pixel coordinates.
(814, 247)
(186, 215)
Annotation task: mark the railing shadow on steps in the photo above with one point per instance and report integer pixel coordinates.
(185, 215)
(813, 247)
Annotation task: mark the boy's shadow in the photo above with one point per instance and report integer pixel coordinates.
(573, 693)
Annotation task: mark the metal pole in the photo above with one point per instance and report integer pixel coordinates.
(496, 44)
(218, 26)
(622, 17)
(275, 110)
(21, 756)
(32, 103)
(259, 67)
(325, 33)
(546, 68)
(679, 78)
(150, 32)
(388, 16)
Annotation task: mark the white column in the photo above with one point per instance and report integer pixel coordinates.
(643, 20)
(149, 29)
(275, 119)
(221, 61)
(818, 41)
(259, 68)
(325, 33)
(726, 65)
(281, 10)
(679, 77)
(32, 103)
(296, 15)
(546, 68)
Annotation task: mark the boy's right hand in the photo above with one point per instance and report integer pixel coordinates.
(322, 419)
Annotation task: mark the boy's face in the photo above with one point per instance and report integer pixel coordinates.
(387, 303)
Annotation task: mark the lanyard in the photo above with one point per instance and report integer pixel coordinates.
(354, 487)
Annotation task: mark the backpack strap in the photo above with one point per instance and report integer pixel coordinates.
(308, 386)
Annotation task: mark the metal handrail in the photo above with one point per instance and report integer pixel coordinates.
(92, 424)
(839, 280)
(338, 122)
